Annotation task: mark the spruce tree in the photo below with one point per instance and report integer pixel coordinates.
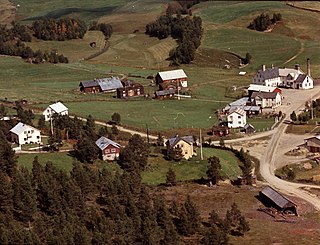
(171, 178)
(213, 171)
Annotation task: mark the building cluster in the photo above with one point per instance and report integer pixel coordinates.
(264, 92)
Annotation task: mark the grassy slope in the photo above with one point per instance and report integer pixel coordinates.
(191, 169)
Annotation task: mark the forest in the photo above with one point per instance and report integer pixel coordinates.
(46, 205)
(187, 30)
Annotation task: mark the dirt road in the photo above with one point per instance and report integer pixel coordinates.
(295, 101)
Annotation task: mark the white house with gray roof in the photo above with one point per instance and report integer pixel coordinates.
(25, 134)
(57, 108)
(267, 77)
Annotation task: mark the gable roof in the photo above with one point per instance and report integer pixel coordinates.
(313, 137)
(248, 125)
(109, 83)
(105, 84)
(269, 73)
(237, 110)
(172, 141)
(265, 95)
(174, 74)
(283, 72)
(58, 107)
(280, 200)
(301, 78)
(21, 127)
(261, 88)
(104, 142)
(88, 84)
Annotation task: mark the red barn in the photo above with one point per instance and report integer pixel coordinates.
(109, 150)
(174, 78)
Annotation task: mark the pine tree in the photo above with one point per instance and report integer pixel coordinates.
(175, 153)
(116, 118)
(293, 116)
(6, 194)
(215, 236)
(171, 178)
(8, 159)
(213, 171)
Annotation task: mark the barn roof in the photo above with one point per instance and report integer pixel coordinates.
(104, 142)
(58, 107)
(280, 200)
(174, 74)
(111, 83)
(21, 127)
(175, 139)
(265, 95)
(88, 84)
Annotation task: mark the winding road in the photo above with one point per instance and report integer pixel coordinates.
(267, 161)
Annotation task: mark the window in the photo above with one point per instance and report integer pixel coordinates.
(32, 131)
(29, 132)
(25, 132)
(113, 150)
(186, 152)
(107, 150)
(25, 139)
(239, 117)
(239, 122)
(38, 137)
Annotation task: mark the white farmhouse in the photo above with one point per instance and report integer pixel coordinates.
(58, 108)
(236, 118)
(266, 99)
(302, 81)
(267, 77)
(25, 134)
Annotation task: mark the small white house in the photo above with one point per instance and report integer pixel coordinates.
(236, 118)
(25, 134)
(58, 108)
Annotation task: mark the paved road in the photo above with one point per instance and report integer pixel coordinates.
(267, 162)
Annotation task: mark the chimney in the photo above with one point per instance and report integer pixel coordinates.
(297, 67)
(272, 66)
(263, 67)
(308, 67)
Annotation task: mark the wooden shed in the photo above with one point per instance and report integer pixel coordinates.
(220, 130)
(272, 198)
(313, 144)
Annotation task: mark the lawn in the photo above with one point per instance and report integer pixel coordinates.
(261, 124)
(226, 11)
(32, 9)
(191, 169)
(59, 160)
(74, 50)
(265, 48)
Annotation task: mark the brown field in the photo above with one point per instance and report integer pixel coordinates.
(7, 12)
(263, 228)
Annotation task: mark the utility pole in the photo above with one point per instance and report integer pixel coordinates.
(311, 108)
(201, 154)
(148, 134)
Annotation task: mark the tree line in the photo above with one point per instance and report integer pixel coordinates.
(187, 30)
(12, 43)
(263, 21)
(60, 30)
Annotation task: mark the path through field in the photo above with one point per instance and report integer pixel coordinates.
(301, 50)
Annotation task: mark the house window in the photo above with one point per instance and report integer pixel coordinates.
(239, 117)
(239, 122)
(25, 139)
(107, 150)
(231, 118)
(32, 131)
(38, 137)
(113, 150)
(29, 132)
(25, 132)
(186, 152)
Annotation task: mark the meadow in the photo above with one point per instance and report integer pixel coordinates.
(137, 56)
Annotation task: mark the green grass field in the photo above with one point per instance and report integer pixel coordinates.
(191, 169)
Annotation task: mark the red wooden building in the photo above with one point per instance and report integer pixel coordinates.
(172, 79)
(130, 89)
(109, 150)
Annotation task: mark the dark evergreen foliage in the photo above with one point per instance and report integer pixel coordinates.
(187, 30)
(214, 168)
(263, 21)
(171, 178)
(62, 29)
